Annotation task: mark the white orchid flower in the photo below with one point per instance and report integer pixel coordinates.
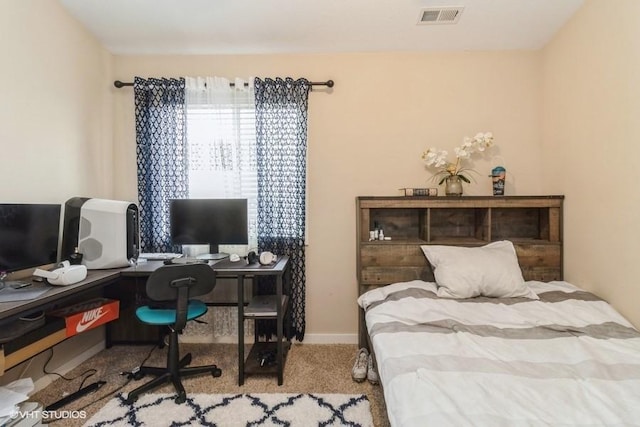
(441, 158)
(462, 153)
(440, 163)
(438, 158)
(429, 156)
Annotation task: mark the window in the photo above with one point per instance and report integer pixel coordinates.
(221, 147)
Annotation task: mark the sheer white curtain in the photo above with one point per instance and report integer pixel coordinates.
(221, 144)
(221, 139)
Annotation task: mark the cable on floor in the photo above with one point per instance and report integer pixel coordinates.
(129, 376)
(85, 375)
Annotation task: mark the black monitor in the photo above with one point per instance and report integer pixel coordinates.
(209, 221)
(29, 235)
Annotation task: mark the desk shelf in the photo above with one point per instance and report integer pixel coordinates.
(266, 307)
(252, 364)
(16, 351)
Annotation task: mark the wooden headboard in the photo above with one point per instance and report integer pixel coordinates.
(532, 223)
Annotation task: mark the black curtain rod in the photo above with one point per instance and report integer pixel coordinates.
(328, 83)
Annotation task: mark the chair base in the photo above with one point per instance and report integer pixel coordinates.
(172, 373)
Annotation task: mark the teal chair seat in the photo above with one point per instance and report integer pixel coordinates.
(167, 316)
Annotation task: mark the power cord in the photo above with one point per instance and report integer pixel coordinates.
(135, 373)
(132, 375)
(85, 375)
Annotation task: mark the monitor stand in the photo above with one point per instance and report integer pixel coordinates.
(214, 254)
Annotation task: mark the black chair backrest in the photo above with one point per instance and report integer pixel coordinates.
(179, 283)
(163, 284)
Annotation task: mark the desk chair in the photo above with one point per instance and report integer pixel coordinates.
(175, 285)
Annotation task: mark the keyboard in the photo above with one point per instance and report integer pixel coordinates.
(159, 256)
(189, 260)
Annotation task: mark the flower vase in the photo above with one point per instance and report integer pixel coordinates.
(453, 186)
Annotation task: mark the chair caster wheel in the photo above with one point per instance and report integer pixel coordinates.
(137, 376)
(216, 372)
(181, 398)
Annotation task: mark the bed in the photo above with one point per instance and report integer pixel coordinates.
(482, 347)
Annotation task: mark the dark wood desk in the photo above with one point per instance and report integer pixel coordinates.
(58, 296)
(46, 335)
(240, 270)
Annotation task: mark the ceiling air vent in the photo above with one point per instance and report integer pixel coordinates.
(440, 15)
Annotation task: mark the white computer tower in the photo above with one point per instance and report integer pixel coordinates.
(107, 232)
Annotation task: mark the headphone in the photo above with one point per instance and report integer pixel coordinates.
(265, 258)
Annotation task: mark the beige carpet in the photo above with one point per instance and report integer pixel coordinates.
(310, 368)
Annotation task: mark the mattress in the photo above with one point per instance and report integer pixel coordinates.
(567, 359)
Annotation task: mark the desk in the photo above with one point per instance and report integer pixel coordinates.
(282, 271)
(240, 270)
(56, 296)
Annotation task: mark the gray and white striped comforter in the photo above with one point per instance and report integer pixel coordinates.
(568, 359)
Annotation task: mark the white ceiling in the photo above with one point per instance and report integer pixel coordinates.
(311, 26)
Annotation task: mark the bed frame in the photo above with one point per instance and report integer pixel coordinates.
(532, 223)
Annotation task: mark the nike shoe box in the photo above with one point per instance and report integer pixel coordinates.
(88, 315)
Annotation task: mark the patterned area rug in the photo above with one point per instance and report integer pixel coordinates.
(268, 409)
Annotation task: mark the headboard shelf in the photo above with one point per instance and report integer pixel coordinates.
(532, 223)
(456, 241)
(397, 241)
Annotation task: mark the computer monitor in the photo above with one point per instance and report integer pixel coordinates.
(29, 235)
(209, 221)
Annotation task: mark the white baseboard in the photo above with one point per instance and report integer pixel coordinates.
(44, 381)
(308, 339)
(330, 339)
(210, 338)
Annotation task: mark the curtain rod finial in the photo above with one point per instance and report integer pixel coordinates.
(329, 83)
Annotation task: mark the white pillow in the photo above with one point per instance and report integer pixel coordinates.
(491, 271)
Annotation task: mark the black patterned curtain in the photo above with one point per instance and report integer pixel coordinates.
(162, 156)
(281, 143)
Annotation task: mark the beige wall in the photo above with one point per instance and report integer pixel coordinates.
(55, 124)
(366, 137)
(55, 109)
(591, 128)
